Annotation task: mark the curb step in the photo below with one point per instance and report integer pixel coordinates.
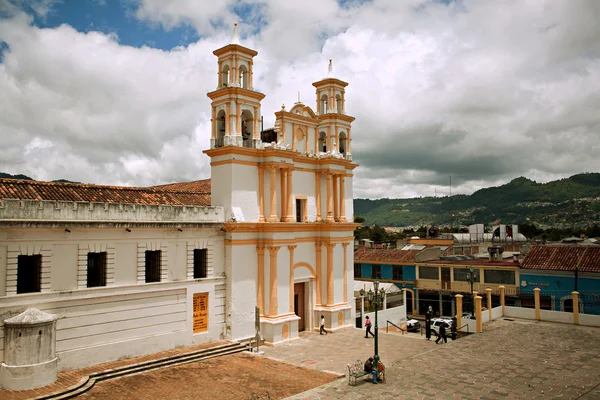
(87, 382)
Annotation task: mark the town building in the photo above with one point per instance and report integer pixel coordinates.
(265, 245)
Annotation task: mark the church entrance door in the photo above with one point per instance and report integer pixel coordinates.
(299, 305)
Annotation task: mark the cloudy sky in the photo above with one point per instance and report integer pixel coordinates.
(114, 91)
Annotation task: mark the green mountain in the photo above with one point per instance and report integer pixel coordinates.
(570, 202)
(19, 176)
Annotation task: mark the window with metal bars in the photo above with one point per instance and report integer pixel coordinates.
(152, 266)
(200, 263)
(96, 269)
(29, 273)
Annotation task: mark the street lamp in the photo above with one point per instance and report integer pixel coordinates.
(472, 277)
(378, 296)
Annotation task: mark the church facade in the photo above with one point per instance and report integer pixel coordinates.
(130, 271)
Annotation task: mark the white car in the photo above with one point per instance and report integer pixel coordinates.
(436, 322)
(412, 325)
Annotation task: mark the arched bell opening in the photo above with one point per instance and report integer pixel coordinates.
(225, 76)
(338, 102)
(343, 143)
(220, 142)
(244, 77)
(324, 104)
(247, 128)
(323, 142)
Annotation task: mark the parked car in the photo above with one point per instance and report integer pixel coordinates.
(412, 325)
(436, 322)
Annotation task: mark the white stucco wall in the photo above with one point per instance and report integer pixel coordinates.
(241, 271)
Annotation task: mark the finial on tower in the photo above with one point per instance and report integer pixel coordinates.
(330, 71)
(235, 39)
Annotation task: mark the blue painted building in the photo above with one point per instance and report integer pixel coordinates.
(558, 270)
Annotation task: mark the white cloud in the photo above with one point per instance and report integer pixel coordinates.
(481, 91)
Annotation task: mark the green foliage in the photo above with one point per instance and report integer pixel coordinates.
(18, 176)
(573, 201)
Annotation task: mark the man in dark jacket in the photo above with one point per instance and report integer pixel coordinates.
(370, 368)
(442, 334)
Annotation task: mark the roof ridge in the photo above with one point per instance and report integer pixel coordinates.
(95, 185)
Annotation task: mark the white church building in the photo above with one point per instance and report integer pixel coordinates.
(130, 271)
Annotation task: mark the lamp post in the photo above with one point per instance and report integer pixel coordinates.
(378, 296)
(471, 278)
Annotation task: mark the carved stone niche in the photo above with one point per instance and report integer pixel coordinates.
(29, 351)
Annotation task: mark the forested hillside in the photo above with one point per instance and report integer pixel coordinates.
(573, 201)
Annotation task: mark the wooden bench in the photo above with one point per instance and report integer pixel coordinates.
(356, 370)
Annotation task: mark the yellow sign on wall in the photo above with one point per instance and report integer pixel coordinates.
(200, 312)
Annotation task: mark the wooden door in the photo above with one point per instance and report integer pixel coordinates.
(299, 304)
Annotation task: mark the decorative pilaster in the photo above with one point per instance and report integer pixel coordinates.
(345, 247)
(255, 121)
(260, 274)
(318, 195)
(336, 216)
(290, 198)
(291, 249)
(273, 190)
(319, 274)
(261, 193)
(342, 199)
(330, 297)
(329, 217)
(282, 185)
(273, 280)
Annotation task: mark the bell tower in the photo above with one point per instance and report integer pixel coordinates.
(334, 123)
(235, 103)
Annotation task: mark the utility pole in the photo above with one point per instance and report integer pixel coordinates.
(450, 198)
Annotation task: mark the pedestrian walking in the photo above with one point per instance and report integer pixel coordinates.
(322, 325)
(442, 334)
(368, 326)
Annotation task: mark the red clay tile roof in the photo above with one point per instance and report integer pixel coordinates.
(202, 186)
(563, 257)
(385, 255)
(38, 190)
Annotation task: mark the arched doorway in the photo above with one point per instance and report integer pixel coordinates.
(301, 289)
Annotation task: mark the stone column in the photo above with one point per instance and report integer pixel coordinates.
(261, 193)
(227, 119)
(342, 199)
(291, 249)
(536, 298)
(273, 308)
(250, 74)
(336, 216)
(488, 293)
(329, 217)
(459, 311)
(345, 291)
(290, 197)
(330, 281)
(273, 190)
(575, 298)
(293, 136)
(319, 274)
(479, 323)
(502, 298)
(318, 194)
(260, 274)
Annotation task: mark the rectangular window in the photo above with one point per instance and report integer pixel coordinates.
(460, 274)
(152, 266)
(499, 276)
(357, 270)
(200, 263)
(376, 272)
(300, 210)
(29, 273)
(429, 273)
(96, 269)
(397, 272)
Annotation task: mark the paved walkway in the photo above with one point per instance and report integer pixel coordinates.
(513, 359)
